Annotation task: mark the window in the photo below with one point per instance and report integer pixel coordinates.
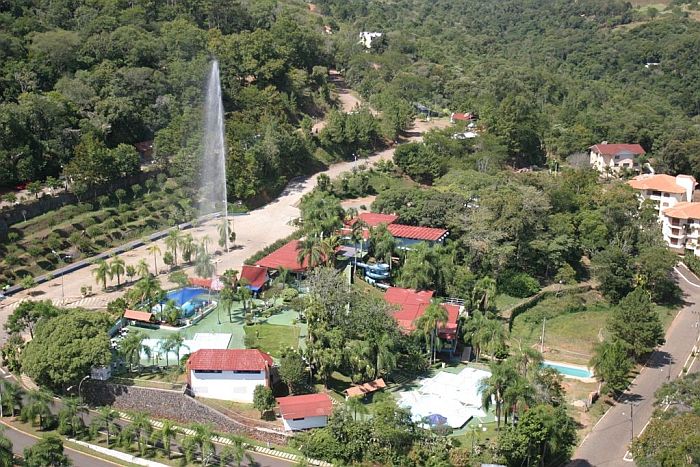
(655, 193)
(247, 372)
(674, 241)
(207, 371)
(297, 419)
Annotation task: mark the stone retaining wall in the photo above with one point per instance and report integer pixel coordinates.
(173, 405)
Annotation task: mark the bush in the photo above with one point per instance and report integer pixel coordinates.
(289, 294)
(519, 285)
(693, 263)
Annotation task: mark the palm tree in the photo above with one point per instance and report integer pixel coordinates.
(187, 247)
(142, 269)
(154, 250)
(502, 376)
(309, 250)
(283, 276)
(484, 290)
(7, 458)
(234, 452)
(357, 235)
(527, 361)
(518, 394)
(131, 347)
(106, 419)
(39, 404)
(203, 265)
(434, 316)
(176, 342)
(130, 272)
(201, 439)
(70, 417)
(386, 359)
(102, 272)
(490, 337)
(329, 246)
(12, 396)
(117, 268)
(354, 405)
(172, 241)
(225, 229)
(418, 271)
(383, 243)
(142, 427)
(166, 433)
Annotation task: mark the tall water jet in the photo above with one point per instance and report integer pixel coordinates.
(213, 173)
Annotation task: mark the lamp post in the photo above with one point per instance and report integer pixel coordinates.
(60, 261)
(80, 385)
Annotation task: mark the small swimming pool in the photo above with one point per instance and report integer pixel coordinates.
(184, 295)
(569, 370)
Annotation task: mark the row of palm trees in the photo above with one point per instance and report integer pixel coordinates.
(117, 267)
(196, 441)
(132, 347)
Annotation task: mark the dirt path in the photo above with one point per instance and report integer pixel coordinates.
(347, 98)
(254, 231)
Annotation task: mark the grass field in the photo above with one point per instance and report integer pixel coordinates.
(272, 338)
(575, 323)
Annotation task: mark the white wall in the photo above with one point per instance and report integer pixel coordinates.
(305, 423)
(227, 385)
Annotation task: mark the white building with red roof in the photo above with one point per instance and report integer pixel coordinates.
(406, 235)
(664, 190)
(612, 158)
(304, 412)
(228, 374)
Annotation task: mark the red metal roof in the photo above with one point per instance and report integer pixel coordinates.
(200, 282)
(462, 116)
(400, 296)
(138, 315)
(255, 275)
(308, 405)
(229, 360)
(417, 233)
(614, 149)
(285, 257)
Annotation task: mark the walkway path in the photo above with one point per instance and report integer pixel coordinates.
(607, 444)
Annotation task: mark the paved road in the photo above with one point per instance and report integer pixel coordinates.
(21, 440)
(607, 444)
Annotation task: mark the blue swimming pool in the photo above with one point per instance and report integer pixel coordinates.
(184, 295)
(568, 370)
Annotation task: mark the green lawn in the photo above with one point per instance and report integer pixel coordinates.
(504, 302)
(575, 323)
(272, 338)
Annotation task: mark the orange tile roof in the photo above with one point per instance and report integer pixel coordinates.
(417, 233)
(412, 306)
(287, 256)
(308, 405)
(659, 182)
(138, 315)
(683, 211)
(362, 389)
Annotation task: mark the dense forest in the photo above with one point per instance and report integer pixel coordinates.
(548, 78)
(82, 82)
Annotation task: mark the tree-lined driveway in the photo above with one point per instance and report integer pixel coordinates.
(607, 444)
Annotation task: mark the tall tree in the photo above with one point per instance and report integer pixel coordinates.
(503, 375)
(434, 317)
(154, 250)
(419, 271)
(612, 365)
(172, 242)
(117, 268)
(636, 323)
(47, 451)
(102, 273)
(7, 457)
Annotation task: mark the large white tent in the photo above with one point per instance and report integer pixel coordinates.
(454, 396)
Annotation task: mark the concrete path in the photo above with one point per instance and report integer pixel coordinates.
(607, 444)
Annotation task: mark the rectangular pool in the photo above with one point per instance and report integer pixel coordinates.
(569, 370)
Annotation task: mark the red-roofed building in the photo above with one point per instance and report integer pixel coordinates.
(304, 412)
(228, 374)
(408, 235)
(140, 316)
(256, 276)
(285, 257)
(411, 306)
(373, 219)
(462, 117)
(615, 157)
(664, 190)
